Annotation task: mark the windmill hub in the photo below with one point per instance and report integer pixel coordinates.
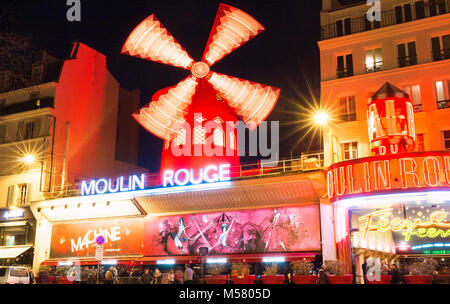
(200, 69)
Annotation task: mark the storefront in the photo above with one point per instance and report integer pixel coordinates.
(17, 231)
(252, 220)
(392, 207)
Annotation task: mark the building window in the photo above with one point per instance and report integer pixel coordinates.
(37, 73)
(442, 94)
(414, 95)
(446, 139)
(13, 236)
(407, 54)
(440, 47)
(343, 27)
(437, 7)
(11, 196)
(345, 66)
(350, 150)
(23, 194)
(420, 142)
(403, 13)
(2, 134)
(374, 61)
(347, 108)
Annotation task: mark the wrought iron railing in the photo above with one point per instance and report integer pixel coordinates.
(443, 104)
(342, 73)
(407, 61)
(441, 55)
(375, 67)
(388, 18)
(418, 108)
(347, 117)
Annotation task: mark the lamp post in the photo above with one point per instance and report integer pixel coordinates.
(321, 118)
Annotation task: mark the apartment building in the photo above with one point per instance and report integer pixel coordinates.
(68, 125)
(408, 46)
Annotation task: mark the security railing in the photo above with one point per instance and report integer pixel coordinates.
(407, 61)
(388, 18)
(443, 104)
(441, 55)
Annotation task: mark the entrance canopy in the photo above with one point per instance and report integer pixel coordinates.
(12, 252)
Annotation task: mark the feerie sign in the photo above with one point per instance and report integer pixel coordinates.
(389, 172)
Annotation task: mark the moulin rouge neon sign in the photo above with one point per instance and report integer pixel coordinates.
(389, 172)
(430, 228)
(181, 177)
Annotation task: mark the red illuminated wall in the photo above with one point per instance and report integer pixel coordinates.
(78, 239)
(87, 96)
(296, 229)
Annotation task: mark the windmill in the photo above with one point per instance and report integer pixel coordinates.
(177, 114)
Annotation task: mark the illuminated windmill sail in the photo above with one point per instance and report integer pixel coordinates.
(210, 95)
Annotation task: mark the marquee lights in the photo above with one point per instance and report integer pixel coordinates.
(433, 245)
(385, 224)
(165, 262)
(274, 259)
(216, 261)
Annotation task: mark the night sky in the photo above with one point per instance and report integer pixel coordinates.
(285, 55)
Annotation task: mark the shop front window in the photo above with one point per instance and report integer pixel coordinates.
(13, 236)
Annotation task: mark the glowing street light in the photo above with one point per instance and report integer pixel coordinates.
(321, 118)
(28, 159)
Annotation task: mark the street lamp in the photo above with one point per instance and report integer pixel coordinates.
(321, 118)
(28, 159)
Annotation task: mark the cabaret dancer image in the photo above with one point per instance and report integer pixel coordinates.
(179, 239)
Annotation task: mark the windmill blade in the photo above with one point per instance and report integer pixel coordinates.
(163, 116)
(231, 29)
(252, 101)
(151, 41)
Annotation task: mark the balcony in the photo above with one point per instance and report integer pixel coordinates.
(406, 61)
(441, 55)
(29, 105)
(342, 73)
(388, 18)
(418, 108)
(347, 117)
(443, 104)
(374, 67)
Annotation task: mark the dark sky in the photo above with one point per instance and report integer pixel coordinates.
(286, 55)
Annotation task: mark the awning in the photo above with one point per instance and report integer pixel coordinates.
(12, 252)
(110, 261)
(254, 193)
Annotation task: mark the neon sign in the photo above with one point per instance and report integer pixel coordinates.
(424, 229)
(209, 174)
(14, 213)
(103, 185)
(389, 172)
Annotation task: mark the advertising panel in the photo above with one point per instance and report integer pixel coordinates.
(123, 237)
(232, 232)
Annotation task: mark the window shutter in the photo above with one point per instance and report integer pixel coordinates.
(11, 196)
(19, 134)
(37, 128)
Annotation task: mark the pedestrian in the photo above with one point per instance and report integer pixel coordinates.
(109, 276)
(323, 275)
(188, 275)
(396, 276)
(171, 277)
(157, 276)
(179, 274)
(146, 278)
(30, 271)
(84, 275)
(364, 270)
